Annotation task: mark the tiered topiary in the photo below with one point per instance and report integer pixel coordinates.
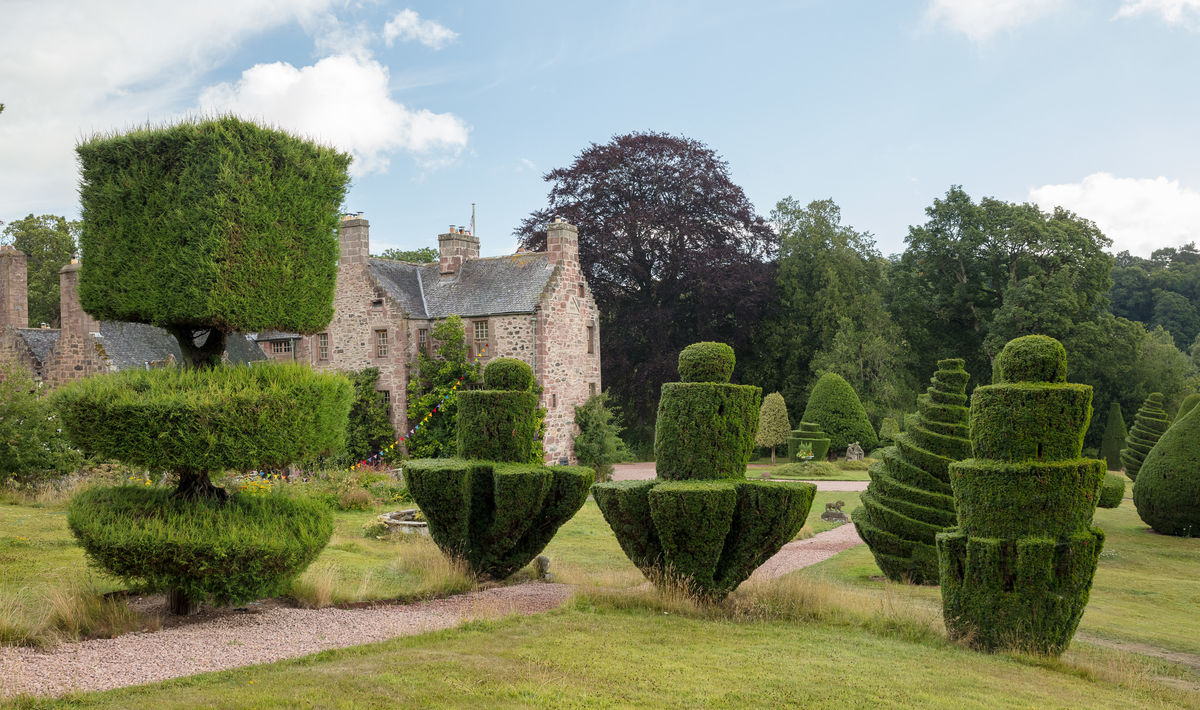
(834, 407)
(1167, 493)
(1017, 571)
(702, 525)
(1149, 425)
(1112, 492)
(490, 507)
(811, 435)
(908, 501)
(1114, 437)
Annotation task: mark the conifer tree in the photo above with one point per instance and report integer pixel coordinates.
(773, 424)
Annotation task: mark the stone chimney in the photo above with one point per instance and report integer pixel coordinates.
(562, 241)
(455, 247)
(75, 322)
(14, 289)
(354, 237)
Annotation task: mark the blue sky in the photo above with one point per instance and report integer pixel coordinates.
(1093, 104)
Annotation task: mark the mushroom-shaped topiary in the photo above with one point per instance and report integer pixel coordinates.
(834, 407)
(1018, 569)
(1167, 491)
(702, 525)
(1149, 424)
(490, 507)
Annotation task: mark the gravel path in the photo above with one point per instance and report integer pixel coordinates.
(645, 472)
(803, 553)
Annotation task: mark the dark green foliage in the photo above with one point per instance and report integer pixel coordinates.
(810, 434)
(495, 516)
(1017, 571)
(626, 508)
(1112, 492)
(1167, 493)
(888, 429)
(32, 447)
(262, 416)
(1189, 402)
(496, 425)
(434, 385)
(907, 502)
(1150, 422)
(705, 430)
(508, 373)
(835, 408)
(599, 444)
(692, 519)
(246, 548)
(370, 429)
(706, 362)
(1114, 437)
(211, 224)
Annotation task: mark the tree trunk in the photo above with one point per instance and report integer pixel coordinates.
(196, 486)
(195, 356)
(772, 455)
(180, 604)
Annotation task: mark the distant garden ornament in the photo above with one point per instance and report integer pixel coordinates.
(1017, 571)
(807, 443)
(854, 452)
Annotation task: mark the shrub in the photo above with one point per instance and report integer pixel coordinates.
(834, 406)
(369, 428)
(1114, 437)
(1150, 422)
(706, 362)
(1017, 570)
(888, 429)
(508, 373)
(246, 548)
(902, 514)
(496, 425)
(496, 517)
(1188, 403)
(32, 446)
(773, 424)
(599, 444)
(1167, 493)
(438, 376)
(705, 430)
(1113, 491)
(808, 435)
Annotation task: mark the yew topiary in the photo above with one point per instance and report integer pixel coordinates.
(809, 435)
(1149, 424)
(702, 526)
(1017, 571)
(773, 424)
(706, 362)
(908, 501)
(1167, 492)
(1189, 402)
(1114, 437)
(836, 409)
(1112, 492)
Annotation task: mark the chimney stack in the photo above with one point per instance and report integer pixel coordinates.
(354, 238)
(562, 242)
(75, 322)
(455, 247)
(14, 288)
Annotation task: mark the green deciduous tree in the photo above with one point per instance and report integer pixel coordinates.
(32, 445)
(437, 374)
(48, 242)
(773, 423)
(423, 255)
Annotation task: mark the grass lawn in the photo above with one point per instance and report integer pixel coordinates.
(815, 471)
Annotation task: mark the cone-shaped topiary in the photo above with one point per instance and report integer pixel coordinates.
(496, 516)
(808, 434)
(702, 525)
(835, 407)
(773, 424)
(1189, 402)
(1112, 492)
(1148, 425)
(1167, 492)
(1114, 437)
(908, 501)
(1017, 571)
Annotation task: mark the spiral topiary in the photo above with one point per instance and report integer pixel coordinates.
(1188, 404)
(1167, 493)
(702, 525)
(834, 406)
(908, 501)
(1149, 425)
(1017, 571)
(809, 434)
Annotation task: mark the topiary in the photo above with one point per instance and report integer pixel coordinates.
(1114, 437)
(702, 525)
(834, 406)
(1188, 403)
(706, 362)
(888, 429)
(909, 498)
(1017, 571)
(508, 373)
(808, 435)
(773, 424)
(1149, 424)
(1112, 492)
(1167, 492)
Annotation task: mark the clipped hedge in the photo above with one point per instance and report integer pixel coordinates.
(1167, 493)
(1029, 422)
(1150, 423)
(1112, 492)
(834, 406)
(496, 425)
(508, 373)
(810, 434)
(215, 223)
(706, 362)
(1114, 437)
(705, 430)
(495, 516)
(246, 548)
(1032, 358)
(1188, 404)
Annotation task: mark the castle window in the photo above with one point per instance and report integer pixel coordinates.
(377, 303)
(279, 347)
(387, 400)
(423, 340)
(323, 346)
(591, 336)
(381, 343)
(481, 331)
(553, 401)
(591, 389)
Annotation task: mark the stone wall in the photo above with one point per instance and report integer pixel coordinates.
(76, 354)
(14, 293)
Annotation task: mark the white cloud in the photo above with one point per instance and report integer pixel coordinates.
(1175, 12)
(980, 20)
(407, 25)
(343, 100)
(1138, 214)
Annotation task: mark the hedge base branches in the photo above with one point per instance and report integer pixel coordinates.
(1017, 571)
(1167, 493)
(1149, 424)
(908, 501)
(809, 434)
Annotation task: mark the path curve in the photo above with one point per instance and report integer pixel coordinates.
(799, 554)
(645, 472)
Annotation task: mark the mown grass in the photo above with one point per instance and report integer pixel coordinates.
(814, 471)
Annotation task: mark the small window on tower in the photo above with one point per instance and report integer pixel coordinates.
(423, 340)
(591, 389)
(591, 336)
(581, 290)
(381, 343)
(553, 401)
(481, 331)
(323, 346)
(377, 303)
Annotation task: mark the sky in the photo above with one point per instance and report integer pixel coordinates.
(1093, 105)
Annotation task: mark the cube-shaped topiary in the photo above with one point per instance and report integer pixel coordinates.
(702, 526)
(490, 507)
(908, 501)
(1017, 570)
(835, 408)
(809, 434)
(1149, 424)
(1167, 491)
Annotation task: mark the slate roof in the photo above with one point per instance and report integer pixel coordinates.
(40, 340)
(129, 345)
(274, 335)
(483, 287)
